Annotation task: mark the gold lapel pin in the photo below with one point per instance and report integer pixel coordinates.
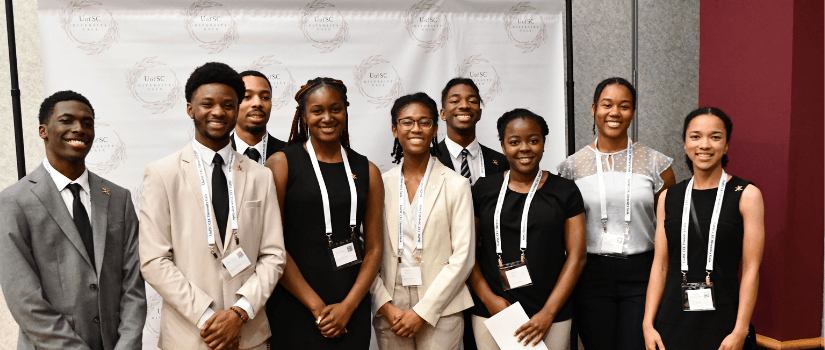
(239, 168)
(354, 177)
(106, 191)
(738, 188)
(495, 161)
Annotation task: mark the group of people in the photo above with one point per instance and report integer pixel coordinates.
(256, 243)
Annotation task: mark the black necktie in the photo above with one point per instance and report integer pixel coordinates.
(220, 195)
(465, 166)
(253, 154)
(81, 221)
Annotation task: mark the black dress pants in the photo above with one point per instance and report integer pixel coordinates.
(610, 301)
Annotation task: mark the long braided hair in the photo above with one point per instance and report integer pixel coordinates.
(401, 103)
(299, 132)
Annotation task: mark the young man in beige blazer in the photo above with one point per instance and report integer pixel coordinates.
(69, 245)
(213, 271)
(420, 291)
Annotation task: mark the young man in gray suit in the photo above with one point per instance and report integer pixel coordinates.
(69, 244)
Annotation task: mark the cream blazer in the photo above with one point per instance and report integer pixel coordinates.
(175, 258)
(448, 237)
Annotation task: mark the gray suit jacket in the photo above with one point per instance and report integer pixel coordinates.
(53, 292)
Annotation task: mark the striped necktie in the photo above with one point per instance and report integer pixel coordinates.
(465, 166)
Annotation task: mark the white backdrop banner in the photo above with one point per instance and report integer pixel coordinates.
(132, 59)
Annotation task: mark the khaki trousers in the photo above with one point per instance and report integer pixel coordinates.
(446, 335)
(557, 338)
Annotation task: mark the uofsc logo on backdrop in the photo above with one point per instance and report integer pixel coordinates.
(213, 29)
(108, 150)
(427, 25)
(483, 74)
(90, 25)
(283, 85)
(327, 29)
(525, 27)
(155, 87)
(378, 81)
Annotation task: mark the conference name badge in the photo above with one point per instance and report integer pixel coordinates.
(515, 274)
(236, 262)
(410, 276)
(698, 296)
(613, 244)
(344, 254)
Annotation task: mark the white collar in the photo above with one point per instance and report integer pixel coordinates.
(62, 181)
(241, 146)
(455, 149)
(207, 154)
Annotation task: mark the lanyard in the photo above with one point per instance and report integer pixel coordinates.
(714, 223)
(419, 211)
(628, 180)
(207, 202)
(353, 204)
(480, 163)
(497, 217)
(262, 158)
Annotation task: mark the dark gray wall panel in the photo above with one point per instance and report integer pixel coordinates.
(668, 86)
(602, 48)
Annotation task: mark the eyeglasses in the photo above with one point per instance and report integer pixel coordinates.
(407, 124)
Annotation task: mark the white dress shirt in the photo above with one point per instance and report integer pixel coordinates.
(472, 159)
(207, 155)
(241, 146)
(63, 182)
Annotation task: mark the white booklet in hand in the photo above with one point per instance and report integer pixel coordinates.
(505, 323)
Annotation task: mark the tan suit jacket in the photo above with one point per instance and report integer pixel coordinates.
(175, 257)
(448, 238)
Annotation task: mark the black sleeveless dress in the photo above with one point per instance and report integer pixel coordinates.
(293, 326)
(696, 330)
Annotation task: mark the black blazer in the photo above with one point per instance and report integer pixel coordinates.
(494, 162)
(272, 144)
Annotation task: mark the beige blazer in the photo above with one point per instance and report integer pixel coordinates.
(175, 258)
(448, 237)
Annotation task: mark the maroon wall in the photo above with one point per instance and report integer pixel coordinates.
(761, 62)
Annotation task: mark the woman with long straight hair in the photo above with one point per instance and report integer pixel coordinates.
(331, 199)
(706, 226)
(620, 181)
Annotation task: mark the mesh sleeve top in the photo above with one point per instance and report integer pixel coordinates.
(646, 181)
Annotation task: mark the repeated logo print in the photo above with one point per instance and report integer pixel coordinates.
(212, 28)
(157, 88)
(323, 27)
(378, 81)
(427, 25)
(283, 85)
(88, 24)
(108, 150)
(525, 27)
(483, 74)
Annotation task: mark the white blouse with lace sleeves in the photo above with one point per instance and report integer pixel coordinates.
(648, 165)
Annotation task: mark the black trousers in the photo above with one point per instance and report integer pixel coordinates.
(610, 301)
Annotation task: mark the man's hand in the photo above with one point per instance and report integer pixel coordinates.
(220, 332)
(408, 325)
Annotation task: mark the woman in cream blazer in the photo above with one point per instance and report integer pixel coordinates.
(420, 291)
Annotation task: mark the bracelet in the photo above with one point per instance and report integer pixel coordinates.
(234, 309)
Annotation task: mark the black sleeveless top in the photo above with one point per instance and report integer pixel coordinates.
(292, 324)
(702, 329)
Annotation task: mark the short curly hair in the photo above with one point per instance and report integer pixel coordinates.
(47, 107)
(214, 73)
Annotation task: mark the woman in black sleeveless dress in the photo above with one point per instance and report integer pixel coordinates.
(320, 302)
(684, 322)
